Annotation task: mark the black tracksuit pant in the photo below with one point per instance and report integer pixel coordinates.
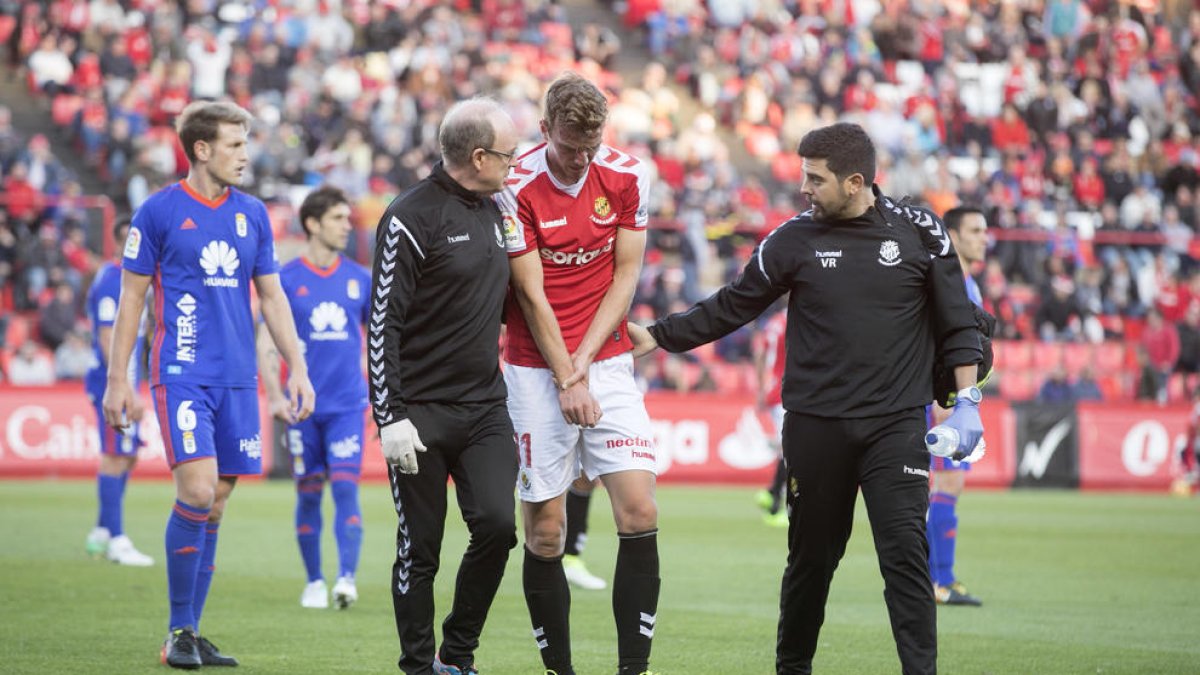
(473, 443)
(828, 460)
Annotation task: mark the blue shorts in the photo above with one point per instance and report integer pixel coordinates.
(328, 443)
(221, 422)
(113, 442)
(947, 464)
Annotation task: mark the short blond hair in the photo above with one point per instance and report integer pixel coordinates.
(202, 120)
(574, 103)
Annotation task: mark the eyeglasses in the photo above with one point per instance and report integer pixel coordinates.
(508, 156)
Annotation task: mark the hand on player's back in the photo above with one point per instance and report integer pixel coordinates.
(643, 341)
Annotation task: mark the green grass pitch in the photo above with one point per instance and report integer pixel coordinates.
(1072, 583)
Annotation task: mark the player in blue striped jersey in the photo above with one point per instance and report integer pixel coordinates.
(330, 299)
(202, 243)
(118, 452)
(968, 234)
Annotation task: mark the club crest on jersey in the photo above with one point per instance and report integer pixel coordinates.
(603, 211)
(352, 290)
(240, 221)
(889, 253)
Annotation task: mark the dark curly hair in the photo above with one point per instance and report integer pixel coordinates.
(845, 147)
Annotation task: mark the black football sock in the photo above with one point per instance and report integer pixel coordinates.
(577, 521)
(549, 600)
(635, 599)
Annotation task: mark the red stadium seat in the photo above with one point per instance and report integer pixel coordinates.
(728, 378)
(1047, 355)
(1133, 328)
(1077, 355)
(1012, 354)
(1114, 387)
(706, 352)
(1131, 359)
(1110, 358)
(999, 357)
(17, 332)
(1017, 385)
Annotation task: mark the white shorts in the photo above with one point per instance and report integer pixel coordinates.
(552, 452)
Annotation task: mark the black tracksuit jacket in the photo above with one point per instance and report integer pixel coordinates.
(437, 291)
(870, 299)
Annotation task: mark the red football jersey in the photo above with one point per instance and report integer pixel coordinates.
(774, 336)
(574, 229)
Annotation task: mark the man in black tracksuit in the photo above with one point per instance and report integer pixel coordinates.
(438, 287)
(874, 288)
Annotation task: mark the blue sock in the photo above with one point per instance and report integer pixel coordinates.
(184, 544)
(205, 574)
(308, 524)
(942, 532)
(111, 490)
(347, 526)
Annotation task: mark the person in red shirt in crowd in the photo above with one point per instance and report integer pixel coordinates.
(1172, 298)
(92, 122)
(24, 201)
(172, 98)
(1089, 186)
(1129, 40)
(87, 72)
(1161, 341)
(79, 257)
(1033, 176)
(1009, 132)
(860, 96)
(137, 41)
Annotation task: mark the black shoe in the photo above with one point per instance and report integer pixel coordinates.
(211, 656)
(181, 651)
(955, 594)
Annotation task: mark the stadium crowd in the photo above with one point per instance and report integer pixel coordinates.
(1075, 125)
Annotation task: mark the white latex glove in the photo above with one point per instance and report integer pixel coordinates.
(401, 444)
